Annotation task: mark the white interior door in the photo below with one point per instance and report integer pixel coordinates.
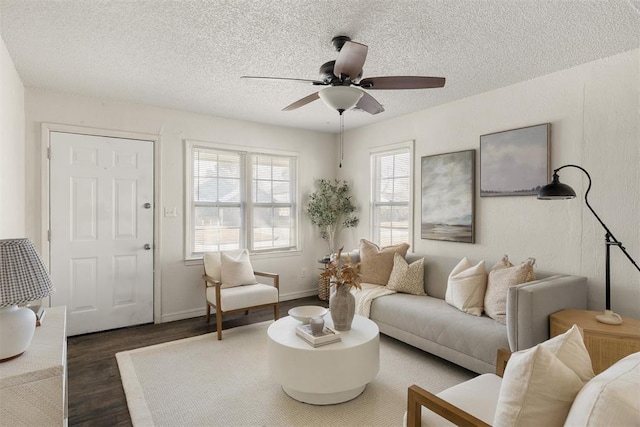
(101, 219)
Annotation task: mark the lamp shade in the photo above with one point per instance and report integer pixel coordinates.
(23, 276)
(340, 97)
(556, 190)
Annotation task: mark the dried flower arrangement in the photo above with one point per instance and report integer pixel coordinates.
(342, 272)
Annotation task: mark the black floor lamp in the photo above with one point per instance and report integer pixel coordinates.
(557, 191)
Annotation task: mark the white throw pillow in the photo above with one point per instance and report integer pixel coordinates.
(501, 277)
(212, 263)
(405, 277)
(570, 349)
(466, 287)
(537, 390)
(612, 398)
(236, 271)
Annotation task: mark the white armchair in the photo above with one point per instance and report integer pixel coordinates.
(231, 286)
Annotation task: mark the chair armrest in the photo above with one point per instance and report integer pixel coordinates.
(501, 361)
(210, 282)
(529, 306)
(417, 397)
(275, 277)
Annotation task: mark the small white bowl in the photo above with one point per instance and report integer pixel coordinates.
(306, 312)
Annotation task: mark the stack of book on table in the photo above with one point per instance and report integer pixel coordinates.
(327, 336)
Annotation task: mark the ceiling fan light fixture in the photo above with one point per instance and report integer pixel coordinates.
(340, 97)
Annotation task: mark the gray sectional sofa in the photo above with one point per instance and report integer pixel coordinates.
(429, 323)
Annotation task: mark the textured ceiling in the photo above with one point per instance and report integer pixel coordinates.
(189, 55)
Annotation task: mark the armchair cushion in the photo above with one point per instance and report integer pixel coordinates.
(236, 270)
(243, 296)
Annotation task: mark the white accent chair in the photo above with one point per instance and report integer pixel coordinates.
(227, 299)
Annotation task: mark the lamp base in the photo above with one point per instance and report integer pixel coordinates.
(609, 317)
(17, 326)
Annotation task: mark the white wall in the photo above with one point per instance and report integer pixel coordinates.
(181, 284)
(12, 160)
(594, 111)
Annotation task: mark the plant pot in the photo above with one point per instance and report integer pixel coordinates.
(342, 305)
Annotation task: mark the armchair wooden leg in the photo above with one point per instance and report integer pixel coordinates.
(208, 312)
(276, 312)
(219, 322)
(246, 312)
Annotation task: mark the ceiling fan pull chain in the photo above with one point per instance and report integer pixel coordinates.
(341, 138)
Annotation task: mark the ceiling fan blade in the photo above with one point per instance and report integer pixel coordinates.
(350, 60)
(313, 82)
(369, 104)
(302, 102)
(402, 82)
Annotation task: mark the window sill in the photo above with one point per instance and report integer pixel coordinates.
(255, 255)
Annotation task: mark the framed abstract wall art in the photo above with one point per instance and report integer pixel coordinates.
(515, 162)
(448, 186)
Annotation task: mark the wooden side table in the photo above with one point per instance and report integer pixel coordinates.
(606, 344)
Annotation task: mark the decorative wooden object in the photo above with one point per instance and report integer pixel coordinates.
(606, 344)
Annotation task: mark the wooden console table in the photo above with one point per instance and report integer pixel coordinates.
(33, 386)
(606, 344)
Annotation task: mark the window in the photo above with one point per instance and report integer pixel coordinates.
(240, 199)
(391, 200)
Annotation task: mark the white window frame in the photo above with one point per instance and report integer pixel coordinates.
(245, 238)
(390, 149)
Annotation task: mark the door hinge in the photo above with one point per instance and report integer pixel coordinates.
(49, 153)
(49, 235)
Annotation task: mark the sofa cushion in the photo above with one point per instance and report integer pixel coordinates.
(466, 287)
(501, 277)
(376, 263)
(537, 390)
(611, 398)
(477, 396)
(405, 277)
(447, 328)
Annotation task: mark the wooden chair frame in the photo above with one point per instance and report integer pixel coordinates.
(417, 397)
(211, 282)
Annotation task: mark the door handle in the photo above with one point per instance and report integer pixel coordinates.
(147, 246)
(147, 205)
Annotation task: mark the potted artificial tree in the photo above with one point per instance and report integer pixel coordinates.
(331, 209)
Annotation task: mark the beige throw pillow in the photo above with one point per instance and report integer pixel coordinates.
(501, 277)
(376, 263)
(405, 277)
(569, 348)
(537, 390)
(236, 271)
(610, 398)
(466, 287)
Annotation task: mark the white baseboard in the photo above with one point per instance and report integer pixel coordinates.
(196, 312)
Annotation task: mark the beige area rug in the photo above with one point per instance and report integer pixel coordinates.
(201, 381)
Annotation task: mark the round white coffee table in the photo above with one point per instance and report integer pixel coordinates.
(325, 375)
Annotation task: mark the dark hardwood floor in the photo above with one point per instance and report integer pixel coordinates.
(96, 397)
